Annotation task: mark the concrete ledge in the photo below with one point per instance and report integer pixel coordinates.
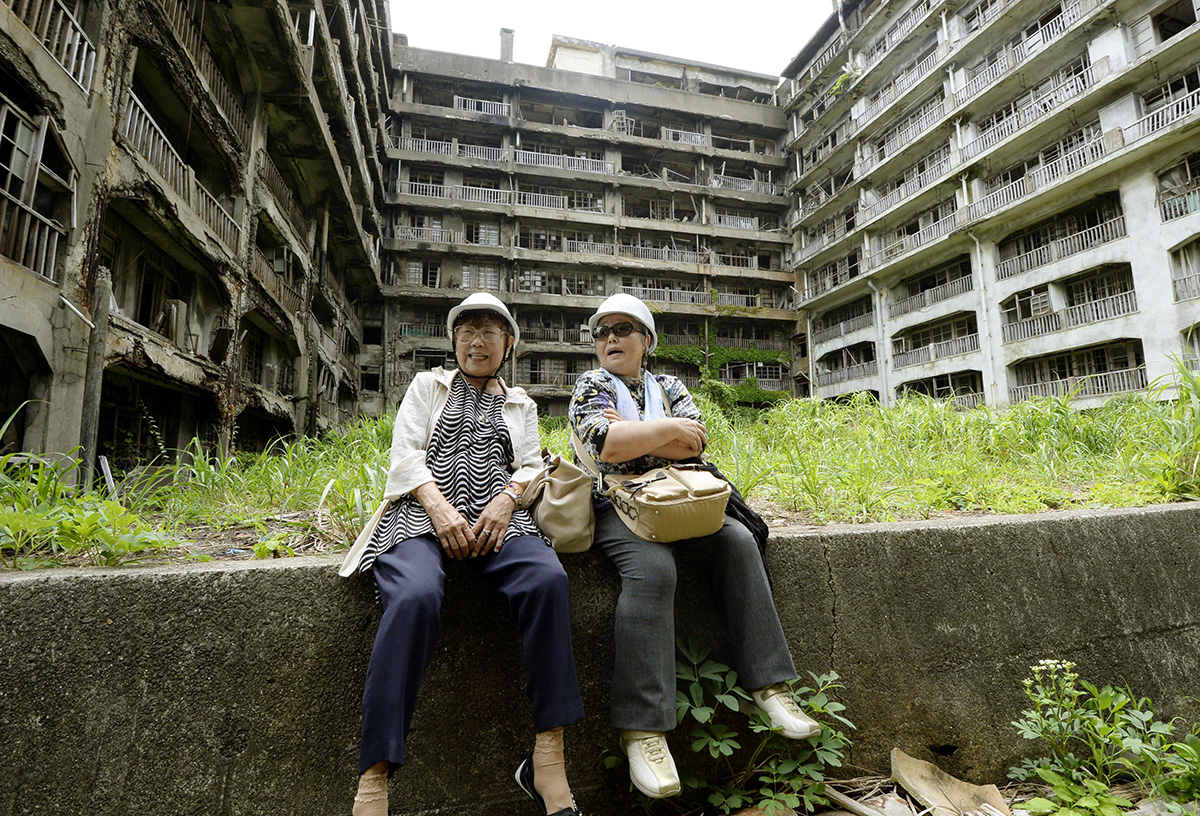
(233, 688)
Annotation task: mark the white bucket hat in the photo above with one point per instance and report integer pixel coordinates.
(482, 301)
(622, 303)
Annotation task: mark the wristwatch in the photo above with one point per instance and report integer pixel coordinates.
(513, 492)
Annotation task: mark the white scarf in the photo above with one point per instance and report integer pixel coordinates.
(627, 408)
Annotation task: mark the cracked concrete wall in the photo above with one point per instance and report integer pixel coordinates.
(233, 688)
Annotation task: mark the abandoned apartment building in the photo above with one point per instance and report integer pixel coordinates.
(982, 201)
(287, 200)
(997, 200)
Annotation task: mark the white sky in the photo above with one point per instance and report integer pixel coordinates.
(758, 37)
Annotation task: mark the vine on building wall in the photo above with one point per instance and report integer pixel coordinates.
(708, 356)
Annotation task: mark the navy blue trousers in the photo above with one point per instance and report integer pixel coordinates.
(411, 579)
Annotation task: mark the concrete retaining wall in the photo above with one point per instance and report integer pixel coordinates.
(233, 688)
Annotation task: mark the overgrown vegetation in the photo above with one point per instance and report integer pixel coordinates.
(742, 762)
(828, 461)
(1098, 738)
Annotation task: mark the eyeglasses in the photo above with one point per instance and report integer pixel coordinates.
(620, 330)
(467, 334)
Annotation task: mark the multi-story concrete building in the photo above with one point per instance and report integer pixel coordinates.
(285, 200)
(221, 165)
(997, 199)
(607, 171)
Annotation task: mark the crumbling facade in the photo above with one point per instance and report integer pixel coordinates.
(997, 199)
(219, 164)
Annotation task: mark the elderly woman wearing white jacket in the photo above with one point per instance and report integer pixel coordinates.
(464, 446)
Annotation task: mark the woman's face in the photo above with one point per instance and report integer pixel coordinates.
(621, 355)
(479, 345)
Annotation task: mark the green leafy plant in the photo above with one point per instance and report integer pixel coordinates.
(750, 764)
(1097, 737)
(1074, 798)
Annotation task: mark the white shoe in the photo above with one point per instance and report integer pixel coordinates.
(651, 768)
(783, 713)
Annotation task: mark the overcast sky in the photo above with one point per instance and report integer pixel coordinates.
(758, 37)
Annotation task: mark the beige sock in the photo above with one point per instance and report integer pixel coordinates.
(550, 770)
(371, 799)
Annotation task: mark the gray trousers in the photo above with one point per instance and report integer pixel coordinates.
(643, 696)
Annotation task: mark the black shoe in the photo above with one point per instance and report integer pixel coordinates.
(524, 777)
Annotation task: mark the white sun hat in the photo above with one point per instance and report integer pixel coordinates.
(622, 303)
(482, 301)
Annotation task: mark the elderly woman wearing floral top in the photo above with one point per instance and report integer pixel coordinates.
(629, 421)
(464, 447)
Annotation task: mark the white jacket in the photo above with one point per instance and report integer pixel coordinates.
(415, 420)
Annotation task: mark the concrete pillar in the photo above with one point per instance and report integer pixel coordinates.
(506, 45)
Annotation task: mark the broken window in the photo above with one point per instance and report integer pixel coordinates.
(37, 190)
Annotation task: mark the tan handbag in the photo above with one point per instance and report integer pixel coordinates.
(664, 504)
(559, 498)
(670, 503)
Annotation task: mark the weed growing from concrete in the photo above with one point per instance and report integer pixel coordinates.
(1098, 737)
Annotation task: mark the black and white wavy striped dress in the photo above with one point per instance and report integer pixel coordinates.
(469, 454)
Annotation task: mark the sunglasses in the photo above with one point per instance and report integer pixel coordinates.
(620, 330)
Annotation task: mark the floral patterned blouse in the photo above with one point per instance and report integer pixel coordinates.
(594, 392)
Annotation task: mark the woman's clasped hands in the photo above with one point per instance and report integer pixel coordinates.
(460, 539)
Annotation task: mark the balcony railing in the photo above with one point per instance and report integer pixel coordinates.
(537, 159)
(194, 44)
(649, 253)
(967, 401)
(61, 34)
(655, 293)
(745, 222)
(1180, 204)
(762, 344)
(899, 138)
(28, 237)
(1093, 311)
(736, 261)
(422, 329)
(1069, 162)
(425, 189)
(543, 200)
(589, 247)
(1031, 327)
(737, 299)
(981, 80)
(269, 173)
(930, 296)
(274, 283)
(432, 234)
(217, 217)
(745, 185)
(543, 334)
(1186, 287)
(1000, 198)
(1093, 385)
(1062, 248)
(852, 372)
(484, 195)
(843, 327)
(1048, 33)
(1163, 117)
(923, 236)
(485, 152)
(464, 103)
(937, 351)
(682, 136)
(690, 296)
(146, 137)
(430, 146)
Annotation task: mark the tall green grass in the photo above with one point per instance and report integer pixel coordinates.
(854, 461)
